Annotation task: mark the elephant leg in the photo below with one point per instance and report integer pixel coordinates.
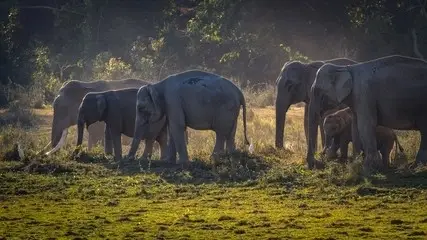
(148, 149)
(331, 146)
(385, 155)
(366, 127)
(306, 128)
(108, 145)
(179, 143)
(421, 157)
(219, 145)
(177, 127)
(171, 147)
(344, 150)
(306, 122)
(328, 140)
(322, 133)
(117, 143)
(356, 140)
(230, 142)
(335, 145)
(162, 139)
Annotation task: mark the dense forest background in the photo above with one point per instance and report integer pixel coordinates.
(47, 42)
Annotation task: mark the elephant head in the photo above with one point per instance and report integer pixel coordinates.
(333, 85)
(92, 109)
(150, 116)
(65, 109)
(292, 86)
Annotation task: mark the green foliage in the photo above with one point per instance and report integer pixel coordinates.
(293, 55)
(106, 66)
(246, 39)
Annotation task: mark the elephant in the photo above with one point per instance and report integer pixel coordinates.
(66, 105)
(332, 144)
(116, 108)
(387, 91)
(195, 99)
(293, 86)
(338, 124)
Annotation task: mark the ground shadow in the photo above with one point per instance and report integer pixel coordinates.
(402, 178)
(236, 167)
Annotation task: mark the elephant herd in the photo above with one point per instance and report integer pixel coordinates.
(358, 102)
(380, 95)
(152, 112)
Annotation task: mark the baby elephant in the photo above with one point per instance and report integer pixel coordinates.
(338, 125)
(117, 108)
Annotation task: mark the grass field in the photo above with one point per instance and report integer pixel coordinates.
(265, 195)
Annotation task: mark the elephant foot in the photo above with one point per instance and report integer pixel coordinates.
(330, 154)
(373, 162)
(343, 160)
(315, 164)
(129, 158)
(319, 165)
(184, 164)
(171, 160)
(421, 157)
(215, 158)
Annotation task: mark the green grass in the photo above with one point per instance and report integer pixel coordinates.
(265, 195)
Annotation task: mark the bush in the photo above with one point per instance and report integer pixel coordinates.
(105, 66)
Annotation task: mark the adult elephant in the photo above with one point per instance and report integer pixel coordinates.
(293, 86)
(195, 99)
(66, 105)
(388, 91)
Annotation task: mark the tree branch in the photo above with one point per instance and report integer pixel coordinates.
(415, 43)
(51, 8)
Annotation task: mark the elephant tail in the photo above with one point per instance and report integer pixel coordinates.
(243, 103)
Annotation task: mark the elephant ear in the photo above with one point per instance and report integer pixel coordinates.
(312, 69)
(281, 71)
(342, 83)
(101, 104)
(155, 98)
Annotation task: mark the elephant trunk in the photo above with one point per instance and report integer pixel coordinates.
(313, 120)
(60, 143)
(136, 139)
(58, 136)
(56, 131)
(282, 106)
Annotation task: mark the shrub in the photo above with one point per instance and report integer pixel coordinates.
(105, 66)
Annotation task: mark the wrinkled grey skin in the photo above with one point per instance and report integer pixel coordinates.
(338, 125)
(195, 99)
(67, 102)
(116, 108)
(293, 86)
(388, 91)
